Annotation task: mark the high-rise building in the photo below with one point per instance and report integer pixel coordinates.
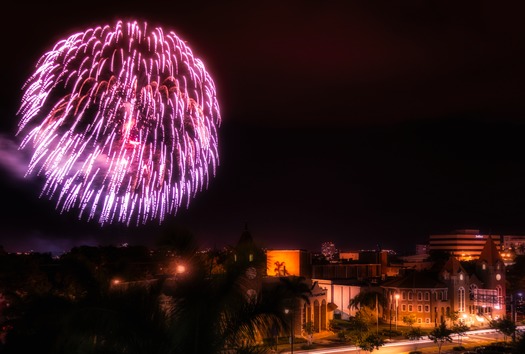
(465, 244)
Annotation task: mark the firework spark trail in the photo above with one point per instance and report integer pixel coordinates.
(122, 121)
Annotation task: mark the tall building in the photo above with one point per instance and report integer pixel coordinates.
(465, 244)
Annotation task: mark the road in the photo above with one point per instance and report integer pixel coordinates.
(472, 338)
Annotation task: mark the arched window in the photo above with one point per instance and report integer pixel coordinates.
(500, 295)
(461, 299)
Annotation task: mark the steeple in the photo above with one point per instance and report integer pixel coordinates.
(490, 253)
(246, 237)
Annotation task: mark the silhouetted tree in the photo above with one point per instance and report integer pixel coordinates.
(505, 326)
(440, 335)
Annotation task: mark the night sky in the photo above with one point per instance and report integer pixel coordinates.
(356, 122)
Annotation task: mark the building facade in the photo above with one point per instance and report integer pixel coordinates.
(465, 244)
(476, 296)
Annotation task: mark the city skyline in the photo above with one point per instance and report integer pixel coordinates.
(360, 124)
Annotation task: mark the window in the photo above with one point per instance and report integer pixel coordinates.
(419, 296)
(251, 257)
(427, 320)
(483, 266)
(472, 291)
(409, 308)
(427, 296)
(500, 300)
(404, 295)
(419, 308)
(419, 320)
(410, 296)
(403, 308)
(460, 276)
(461, 299)
(427, 308)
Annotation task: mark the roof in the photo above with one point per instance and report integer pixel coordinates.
(415, 280)
(453, 266)
(490, 253)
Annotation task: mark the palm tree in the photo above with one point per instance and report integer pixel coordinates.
(370, 299)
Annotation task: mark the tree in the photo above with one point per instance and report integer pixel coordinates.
(409, 320)
(459, 329)
(505, 326)
(309, 328)
(415, 334)
(370, 299)
(371, 342)
(440, 335)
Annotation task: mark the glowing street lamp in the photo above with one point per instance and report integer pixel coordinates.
(180, 269)
(397, 298)
(290, 312)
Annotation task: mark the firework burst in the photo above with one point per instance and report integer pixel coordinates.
(122, 121)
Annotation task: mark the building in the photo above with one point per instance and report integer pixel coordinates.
(418, 293)
(362, 272)
(349, 256)
(514, 243)
(465, 244)
(339, 293)
(289, 262)
(476, 294)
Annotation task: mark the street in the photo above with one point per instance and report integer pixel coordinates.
(471, 339)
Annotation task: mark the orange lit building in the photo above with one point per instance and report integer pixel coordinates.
(288, 262)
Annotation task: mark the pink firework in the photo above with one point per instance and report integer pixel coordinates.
(122, 121)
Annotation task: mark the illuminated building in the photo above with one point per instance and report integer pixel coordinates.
(477, 294)
(465, 244)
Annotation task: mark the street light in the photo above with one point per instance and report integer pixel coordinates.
(290, 312)
(397, 298)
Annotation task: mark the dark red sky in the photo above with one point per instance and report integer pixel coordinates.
(357, 122)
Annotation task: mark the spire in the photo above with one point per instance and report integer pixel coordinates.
(490, 253)
(246, 237)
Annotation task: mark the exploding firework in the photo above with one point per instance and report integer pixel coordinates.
(122, 121)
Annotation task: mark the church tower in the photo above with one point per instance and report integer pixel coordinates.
(250, 260)
(490, 270)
